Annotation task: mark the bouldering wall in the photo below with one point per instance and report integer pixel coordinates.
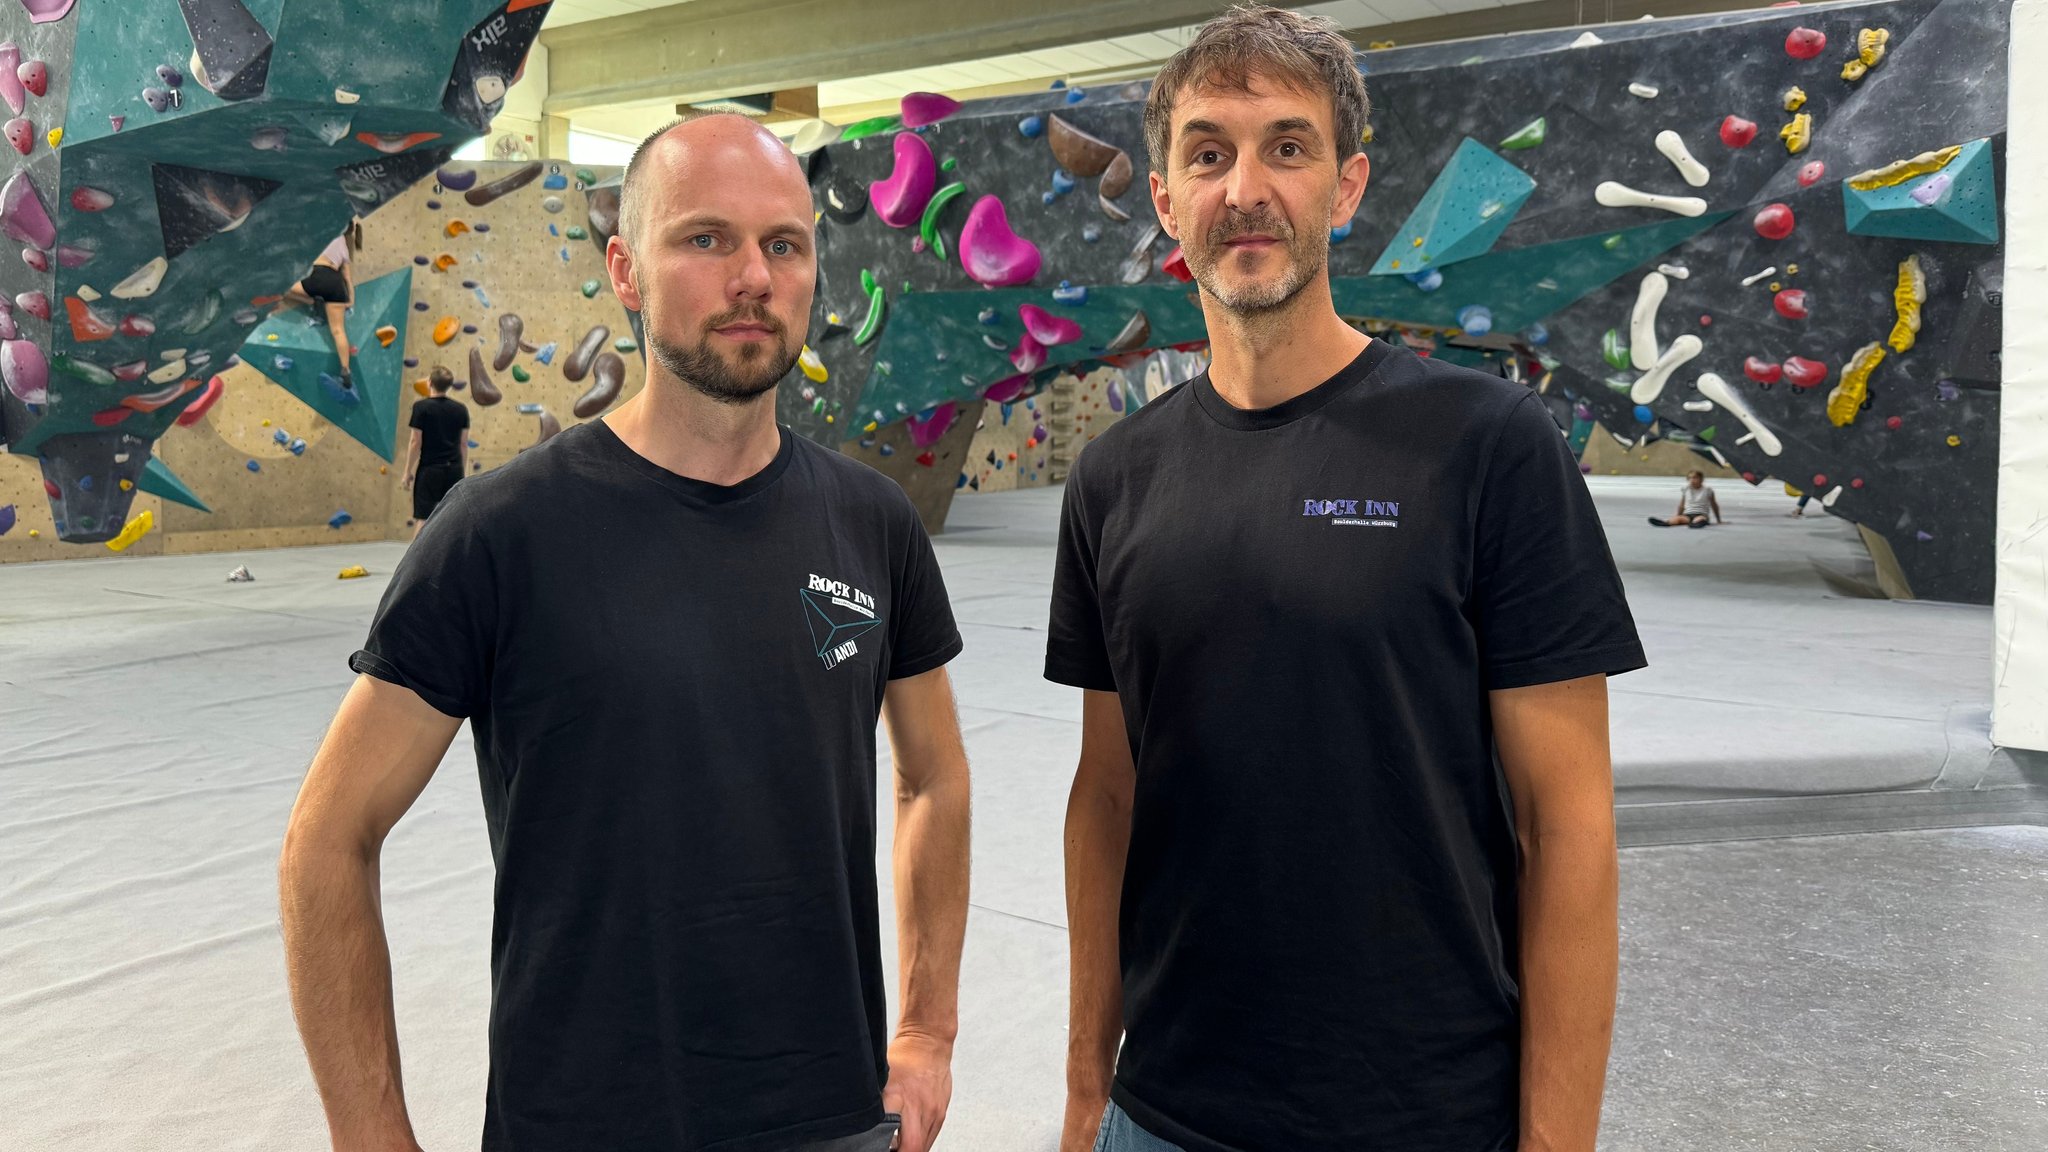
(183, 161)
(1609, 211)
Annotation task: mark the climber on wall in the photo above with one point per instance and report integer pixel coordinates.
(330, 284)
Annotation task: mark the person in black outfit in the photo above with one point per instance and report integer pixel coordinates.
(438, 455)
(1341, 867)
(672, 630)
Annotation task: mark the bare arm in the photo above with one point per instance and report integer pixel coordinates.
(412, 457)
(1553, 747)
(377, 757)
(1715, 501)
(1098, 839)
(931, 865)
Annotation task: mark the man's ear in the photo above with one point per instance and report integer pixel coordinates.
(618, 263)
(1162, 204)
(1352, 176)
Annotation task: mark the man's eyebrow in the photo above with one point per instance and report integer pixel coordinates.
(1199, 127)
(1292, 124)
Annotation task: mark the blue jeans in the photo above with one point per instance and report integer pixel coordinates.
(1120, 1133)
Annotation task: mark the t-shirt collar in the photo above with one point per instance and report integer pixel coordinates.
(698, 491)
(1288, 411)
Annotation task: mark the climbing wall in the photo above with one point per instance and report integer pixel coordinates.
(1608, 212)
(181, 163)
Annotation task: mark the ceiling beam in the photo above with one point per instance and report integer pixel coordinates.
(708, 48)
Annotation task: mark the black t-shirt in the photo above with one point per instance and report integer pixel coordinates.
(673, 687)
(1302, 610)
(441, 422)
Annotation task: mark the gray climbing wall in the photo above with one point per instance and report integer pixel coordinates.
(1517, 232)
(181, 163)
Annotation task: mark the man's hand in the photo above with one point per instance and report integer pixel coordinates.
(1084, 1121)
(920, 1088)
(408, 481)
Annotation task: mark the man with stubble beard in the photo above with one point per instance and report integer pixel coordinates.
(1340, 846)
(672, 631)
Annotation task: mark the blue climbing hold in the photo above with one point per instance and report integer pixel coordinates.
(283, 363)
(1068, 293)
(987, 316)
(1644, 415)
(554, 182)
(888, 450)
(1091, 233)
(1475, 319)
(85, 483)
(1076, 95)
(1031, 127)
(281, 436)
(1062, 182)
(1536, 334)
(339, 518)
(298, 447)
(1057, 85)
(1339, 233)
(1428, 281)
(253, 466)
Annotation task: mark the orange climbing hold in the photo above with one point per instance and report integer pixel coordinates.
(420, 386)
(86, 324)
(445, 329)
(455, 228)
(443, 262)
(386, 335)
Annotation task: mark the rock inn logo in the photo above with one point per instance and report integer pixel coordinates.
(838, 615)
(1356, 513)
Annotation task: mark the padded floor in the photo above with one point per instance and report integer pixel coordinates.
(1865, 991)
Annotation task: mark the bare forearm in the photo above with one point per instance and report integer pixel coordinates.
(339, 967)
(1569, 953)
(1098, 838)
(931, 869)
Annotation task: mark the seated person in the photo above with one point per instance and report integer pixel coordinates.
(1695, 500)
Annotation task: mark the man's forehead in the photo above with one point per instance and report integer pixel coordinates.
(1267, 102)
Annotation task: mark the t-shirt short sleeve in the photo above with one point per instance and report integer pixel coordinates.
(1076, 651)
(435, 629)
(923, 635)
(1547, 600)
(419, 416)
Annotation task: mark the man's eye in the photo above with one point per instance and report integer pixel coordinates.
(1290, 149)
(1208, 156)
(702, 241)
(781, 247)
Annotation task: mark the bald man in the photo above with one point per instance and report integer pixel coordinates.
(677, 755)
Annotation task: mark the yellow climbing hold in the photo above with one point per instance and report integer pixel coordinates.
(1380, 45)
(33, 533)
(1798, 134)
(455, 228)
(266, 423)
(1791, 269)
(1954, 441)
(1900, 171)
(56, 137)
(1846, 398)
(1907, 298)
(132, 531)
(127, 485)
(1365, 137)
(1795, 98)
(386, 335)
(352, 572)
(813, 367)
(1870, 45)
(272, 337)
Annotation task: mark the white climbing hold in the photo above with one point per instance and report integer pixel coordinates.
(1615, 195)
(1642, 322)
(1748, 280)
(1716, 389)
(344, 96)
(1699, 405)
(1674, 150)
(142, 281)
(1650, 385)
(1675, 271)
(1718, 458)
(1834, 494)
(1643, 90)
(87, 293)
(169, 373)
(1585, 40)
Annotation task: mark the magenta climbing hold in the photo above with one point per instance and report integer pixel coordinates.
(85, 199)
(10, 79)
(1047, 328)
(8, 331)
(26, 372)
(74, 255)
(900, 199)
(990, 252)
(927, 427)
(1805, 43)
(1774, 221)
(21, 134)
(1029, 355)
(36, 258)
(34, 303)
(1008, 389)
(922, 108)
(34, 76)
(44, 11)
(22, 214)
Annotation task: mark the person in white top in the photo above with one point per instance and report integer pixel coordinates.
(330, 285)
(1695, 501)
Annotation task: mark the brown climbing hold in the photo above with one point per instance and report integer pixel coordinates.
(503, 186)
(607, 379)
(1117, 178)
(481, 386)
(445, 329)
(549, 427)
(509, 329)
(1079, 153)
(577, 364)
(1137, 332)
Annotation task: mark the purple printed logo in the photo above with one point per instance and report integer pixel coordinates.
(1355, 513)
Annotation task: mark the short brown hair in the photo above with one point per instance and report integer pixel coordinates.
(1253, 40)
(440, 379)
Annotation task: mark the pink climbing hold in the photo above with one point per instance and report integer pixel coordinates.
(992, 254)
(21, 134)
(44, 11)
(10, 80)
(22, 214)
(132, 371)
(1805, 43)
(7, 329)
(74, 255)
(925, 430)
(26, 372)
(1810, 174)
(1774, 221)
(1029, 355)
(922, 108)
(117, 121)
(1047, 328)
(900, 199)
(1008, 389)
(1932, 188)
(36, 258)
(34, 76)
(34, 303)
(137, 326)
(85, 199)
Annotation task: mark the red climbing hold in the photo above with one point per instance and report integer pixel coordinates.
(197, 409)
(1791, 303)
(86, 324)
(1857, 482)
(1894, 423)
(1176, 266)
(1737, 132)
(927, 458)
(109, 417)
(1805, 43)
(55, 493)
(1762, 371)
(1803, 373)
(1774, 221)
(1810, 174)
